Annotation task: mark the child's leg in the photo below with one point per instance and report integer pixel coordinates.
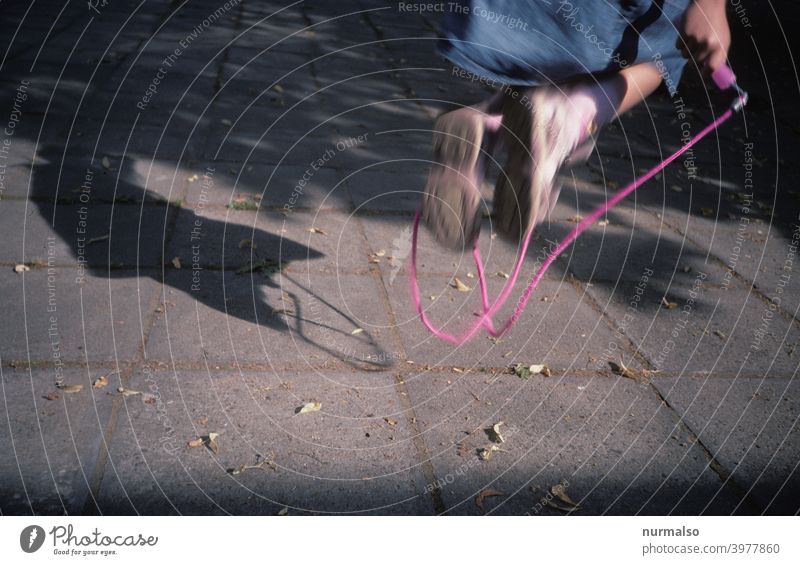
(450, 205)
(559, 123)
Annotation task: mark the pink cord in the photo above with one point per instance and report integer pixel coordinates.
(485, 319)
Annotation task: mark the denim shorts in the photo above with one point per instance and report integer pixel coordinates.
(534, 42)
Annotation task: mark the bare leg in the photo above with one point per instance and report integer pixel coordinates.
(556, 129)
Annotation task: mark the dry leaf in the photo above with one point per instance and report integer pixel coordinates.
(203, 420)
(309, 407)
(494, 433)
(390, 421)
(176, 262)
(560, 492)
(502, 275)
(460, 286)
(70, 389)
(105, 163)
(667, 304)
(317, 230)
(277, 88)
(484, 494)
(100, 382)
(211, 442)
(196, 442)
(51, 396)
(623, 371)
(127, 391)
(525, 371)
(21, 268)
(380, 252)
(356, 331)
(676, 188)
(283, 511)
(720, 334)
(485, 453)
(247, 243)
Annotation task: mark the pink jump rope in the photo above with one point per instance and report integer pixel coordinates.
(722, 77)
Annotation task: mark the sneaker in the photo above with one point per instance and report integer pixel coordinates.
(450, 205)
(543, 139)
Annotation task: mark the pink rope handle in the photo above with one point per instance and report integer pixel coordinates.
(489, 311)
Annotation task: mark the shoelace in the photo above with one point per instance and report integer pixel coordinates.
(723, 78)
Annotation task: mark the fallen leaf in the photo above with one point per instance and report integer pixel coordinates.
(105, 163)
(676, 188)
(667, 304)
(525, 371)
(460, 286)
(176, 262)
(242, 468)
(309, 407)
(211, 442)
(100, 382)
(390, 421)
(196, 442)
(283, 511)
(623, 371)
(720, 334)
(356, 331)
(603, 222)
(317, 230)
(484, 494)
(70, 389)
(380, 253)
(247, 243)
(485, 453)
(560, 492)
(21, 268)
(127, 391)
(707, 212)
(226, 122)
(494, 433)
(277, 88)
(502, 275)
(51, 396)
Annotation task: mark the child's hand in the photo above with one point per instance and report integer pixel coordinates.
(705, 35)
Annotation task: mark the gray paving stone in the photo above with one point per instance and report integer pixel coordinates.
(50, 446)
(612, 443)
(721, 331)
(228, 238)
(287, 319)
(750, 427)
(349, 457)
(55, 317)
(134, 234)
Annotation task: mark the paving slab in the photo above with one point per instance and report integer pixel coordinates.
(609, 441)
(56, 317)
(750, 426)
(346, 458)
(276, 320)
(50, 446)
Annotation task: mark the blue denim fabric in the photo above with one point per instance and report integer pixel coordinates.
(531, 42)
